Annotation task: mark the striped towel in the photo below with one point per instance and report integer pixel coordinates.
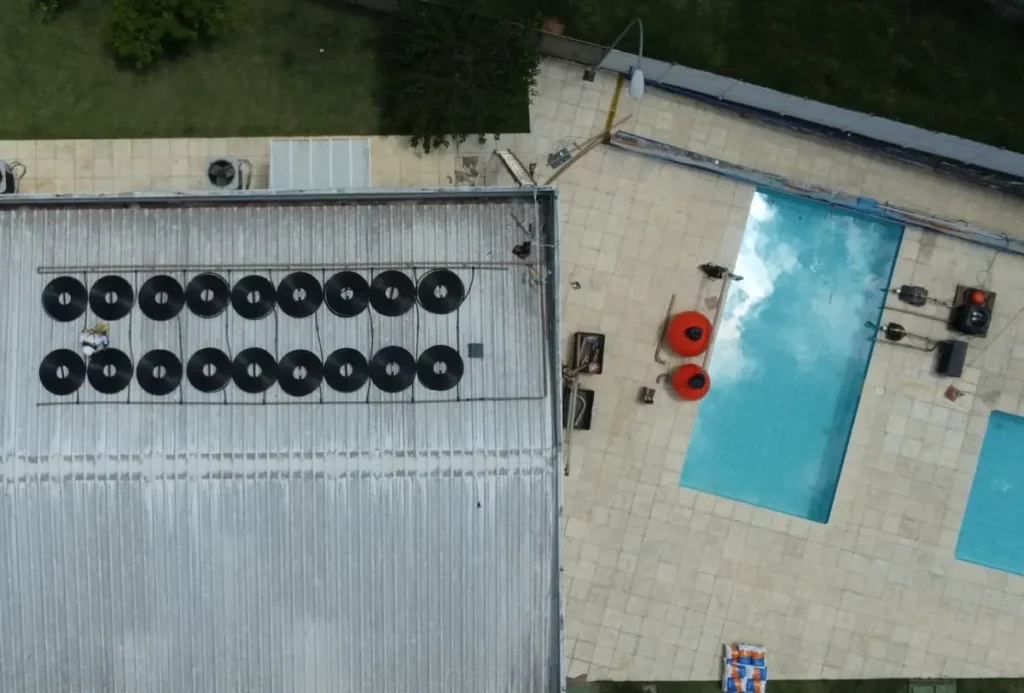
(744, 669)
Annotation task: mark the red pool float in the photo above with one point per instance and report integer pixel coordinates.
(691, 382)
(689, 333)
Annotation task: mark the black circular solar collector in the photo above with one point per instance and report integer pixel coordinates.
(392, 293)
(209, 370)
(254, 370)
(346, 370)
(65, 299)
(207, 295)
(111, 297)
(300, 372)
(440, 291)
(161, 297)
(347, 294)
(109, 371)
(440, 368)
(62, 372)
(392, 369)
(159, 372)
(299, 295)
(253, 297)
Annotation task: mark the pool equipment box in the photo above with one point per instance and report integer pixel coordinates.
(952, 353)
(970, 315)
(584, 417)
(588, 353)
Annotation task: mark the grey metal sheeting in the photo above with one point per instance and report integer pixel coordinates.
(221, 542)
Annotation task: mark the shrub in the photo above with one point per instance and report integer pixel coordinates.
(453, 71)
(49, 9)
(141, 32)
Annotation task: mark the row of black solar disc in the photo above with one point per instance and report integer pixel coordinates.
(299, 373)
(299, 295)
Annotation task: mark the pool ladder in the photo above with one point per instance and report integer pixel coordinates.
(727, 276)
(713, 272)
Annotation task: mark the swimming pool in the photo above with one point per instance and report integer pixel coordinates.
(990, 532)
(790, 356)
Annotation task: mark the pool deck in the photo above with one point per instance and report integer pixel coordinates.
(658, 576)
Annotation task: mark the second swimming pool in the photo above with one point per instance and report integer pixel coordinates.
(790, 356)
(990, 532)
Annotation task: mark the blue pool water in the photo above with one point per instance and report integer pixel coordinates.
(990, 534)
(790, 356)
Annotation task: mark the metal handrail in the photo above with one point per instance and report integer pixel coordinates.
(726, 283)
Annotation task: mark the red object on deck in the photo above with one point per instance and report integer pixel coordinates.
(691, 382)
(978, 297)
(688, 333)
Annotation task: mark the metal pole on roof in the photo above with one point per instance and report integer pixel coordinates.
(636, 76)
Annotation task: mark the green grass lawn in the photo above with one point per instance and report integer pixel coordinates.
(269, 78)
(950, 65)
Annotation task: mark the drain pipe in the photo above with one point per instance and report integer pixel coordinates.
(571, 424)
(571, 377)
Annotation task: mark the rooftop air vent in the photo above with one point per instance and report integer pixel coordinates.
(440, 368)
(299, 373)
(392, 293)
(224, 173)
(253, 297)
(159, 372)
(207, 295)
(254, 370)
(209, 370)
(299, 294)
(111, 297)
(346, 370)
(347, 294)
(392, 369)
(65, 298)
(161, 297)
(62, 372)
(109, 371)
(441, 291)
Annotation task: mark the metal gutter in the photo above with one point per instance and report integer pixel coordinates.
(865, 206)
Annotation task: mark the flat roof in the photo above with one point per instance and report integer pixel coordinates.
(395, 530)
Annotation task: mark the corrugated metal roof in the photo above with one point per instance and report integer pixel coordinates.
(319, 164)
(339, 542)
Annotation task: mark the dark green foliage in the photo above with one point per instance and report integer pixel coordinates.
(956, 66)
(453, 71)
(49, 9)
(141, 32)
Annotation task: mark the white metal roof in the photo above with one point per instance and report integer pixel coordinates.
(261, 542)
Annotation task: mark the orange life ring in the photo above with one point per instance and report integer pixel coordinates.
(691, 382)
(689, 333)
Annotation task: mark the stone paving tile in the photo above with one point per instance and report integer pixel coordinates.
(876, 592)
(658, 576)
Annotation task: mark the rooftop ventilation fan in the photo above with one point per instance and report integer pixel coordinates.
(228, 174)
(10, 174)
